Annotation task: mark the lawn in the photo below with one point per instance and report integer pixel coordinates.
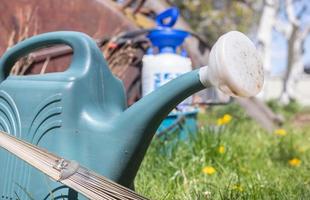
(231, 158)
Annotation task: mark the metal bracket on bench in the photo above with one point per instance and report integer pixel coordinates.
(66, 167)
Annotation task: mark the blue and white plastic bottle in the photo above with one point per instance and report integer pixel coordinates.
(165, 60)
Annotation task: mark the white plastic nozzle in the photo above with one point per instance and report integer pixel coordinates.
(234, 66)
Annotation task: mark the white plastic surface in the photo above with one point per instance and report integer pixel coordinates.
(160, 69)
(234, 66)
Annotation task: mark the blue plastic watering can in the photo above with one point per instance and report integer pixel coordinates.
(80, 114)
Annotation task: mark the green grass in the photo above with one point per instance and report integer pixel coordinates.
(254, 166)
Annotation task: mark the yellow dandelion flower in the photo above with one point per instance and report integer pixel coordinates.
(227, 118)
(219, 122)
(294, 162)
(224, 120)
(237, 187)
(280, 132)
(221, 149)
(208, 170)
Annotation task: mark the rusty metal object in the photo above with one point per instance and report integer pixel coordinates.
(23, 18)
(137, 9)
(20, 19)
(128, 53)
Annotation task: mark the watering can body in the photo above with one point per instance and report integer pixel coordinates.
(80, 114)
(66, 113)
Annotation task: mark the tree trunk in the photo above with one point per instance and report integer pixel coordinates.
(265, 29)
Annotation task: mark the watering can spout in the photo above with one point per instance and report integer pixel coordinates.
(234, 67)
(147, 114)
(142, 119)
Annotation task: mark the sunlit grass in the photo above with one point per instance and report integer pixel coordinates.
(234, 160)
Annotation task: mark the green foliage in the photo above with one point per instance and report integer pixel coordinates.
(233, 109)
(287, 110)
(274, 105)
(212, 18)
(254, 165)
(292, 107)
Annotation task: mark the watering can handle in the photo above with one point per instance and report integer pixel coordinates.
(84, 48)
(172, 13)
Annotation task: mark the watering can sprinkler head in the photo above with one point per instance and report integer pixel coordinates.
(234, 66)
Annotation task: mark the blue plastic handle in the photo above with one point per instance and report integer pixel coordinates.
(84, 48)
(172, 13)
